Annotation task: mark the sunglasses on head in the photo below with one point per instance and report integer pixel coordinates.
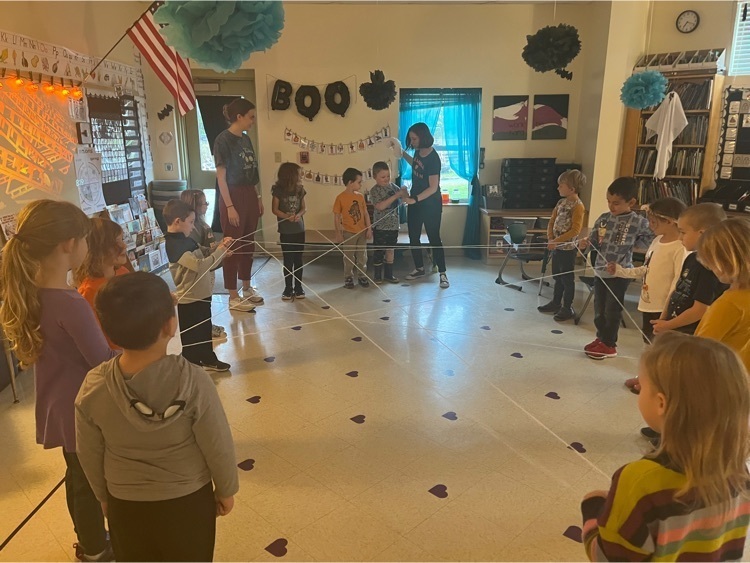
(146, 411)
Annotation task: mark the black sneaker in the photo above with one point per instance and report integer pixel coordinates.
(417, 273)
(550, 307)
(392, 279)
(106, 555)
(564, 314)
(363, 281)
(349, 283)
(377, 280)
(217, 365)
(299, 293)
(287, 295)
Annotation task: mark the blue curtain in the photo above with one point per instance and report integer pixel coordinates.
(461, 117)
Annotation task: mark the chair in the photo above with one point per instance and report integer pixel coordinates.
(588, 281)
(517, 250)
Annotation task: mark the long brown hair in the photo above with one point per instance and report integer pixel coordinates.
(288, 177)
(42, 226)
(103, 248)
(705, 433)
(194, 198)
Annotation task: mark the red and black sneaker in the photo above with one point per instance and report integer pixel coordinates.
(591, 345)
(601, 351)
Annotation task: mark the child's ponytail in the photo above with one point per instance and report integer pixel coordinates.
(42, 226)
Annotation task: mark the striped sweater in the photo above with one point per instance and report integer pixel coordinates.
(639, 520)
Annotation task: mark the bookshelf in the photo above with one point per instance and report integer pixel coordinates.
(691, 169)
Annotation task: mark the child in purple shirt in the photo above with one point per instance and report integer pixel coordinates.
(53, 328)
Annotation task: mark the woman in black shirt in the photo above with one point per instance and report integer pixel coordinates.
(425, 203)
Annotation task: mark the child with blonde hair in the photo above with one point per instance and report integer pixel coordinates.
(563, 229)
(53, 328)
(725, 250)
(688, 500)
(203, 235)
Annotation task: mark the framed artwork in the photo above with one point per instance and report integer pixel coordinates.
(510, 118)
(550, 120)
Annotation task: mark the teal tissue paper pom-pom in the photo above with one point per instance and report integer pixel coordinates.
(220, 35)
(644, 89)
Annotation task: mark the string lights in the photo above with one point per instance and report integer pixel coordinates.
(32, 85)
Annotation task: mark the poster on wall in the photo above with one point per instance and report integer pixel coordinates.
(510, 118)
(33, 166)
(550, 119)
(88, 166)
(8, 224)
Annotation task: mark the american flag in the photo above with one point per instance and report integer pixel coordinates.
(169, 66)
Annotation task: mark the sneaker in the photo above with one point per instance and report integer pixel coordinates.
(216, 365)
(106, 555)
(349, 282)
(602, 351)
(417, 273)
(591, 345)
(218, 332)
(377, 280)
(299, 293)
(288, 295)
(550, 307)
(564, 314)
(363, 281)
(444, 283)
(392, 279)
(239, 304)
(252, 295)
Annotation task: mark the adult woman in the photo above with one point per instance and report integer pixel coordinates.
(425, 203)
(240, 205)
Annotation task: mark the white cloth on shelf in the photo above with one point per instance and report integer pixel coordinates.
(667, 122)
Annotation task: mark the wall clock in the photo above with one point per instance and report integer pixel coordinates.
(688, 21)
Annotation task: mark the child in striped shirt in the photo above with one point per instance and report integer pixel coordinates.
(688, 500)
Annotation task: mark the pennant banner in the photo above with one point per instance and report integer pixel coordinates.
(335, 179)
(21, 55)
(333, 148)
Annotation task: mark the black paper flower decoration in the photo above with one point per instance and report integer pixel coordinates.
(220, 35)
(552, 48)
(379, 93)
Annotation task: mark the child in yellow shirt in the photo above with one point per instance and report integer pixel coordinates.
(352, 223)
(725, 250)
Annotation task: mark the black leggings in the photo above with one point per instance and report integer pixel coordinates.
(85, 510)
(195, 331)
(428, 213)
(292, 247)
(179, 529)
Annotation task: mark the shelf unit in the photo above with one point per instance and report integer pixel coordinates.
(492, 228)
(695, 149)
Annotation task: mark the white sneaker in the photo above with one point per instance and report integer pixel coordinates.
(417, 273)
(250, 294)
(444, 283)
(241, 305)
(218, 332)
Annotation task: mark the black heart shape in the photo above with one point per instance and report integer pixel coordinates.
(326, 307)
(450, 415)
(449, 372)
(296, 328)
(357, 339)
(277, 548)
(577, 446)
(485, 327)
(556, 331)
(384, 318)
(509, 309)
(269, 359)
(254, 400)
(573, 533)
(440, 491)
(359, 419)
(354, 373)
(552, 395)
(386, 300)
(247, 465)
(517, 355)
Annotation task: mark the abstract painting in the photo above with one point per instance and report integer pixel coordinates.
(550, 119)
(510, 118)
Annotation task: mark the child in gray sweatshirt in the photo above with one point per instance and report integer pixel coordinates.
(151, 432)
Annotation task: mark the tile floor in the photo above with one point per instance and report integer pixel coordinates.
(401, 423)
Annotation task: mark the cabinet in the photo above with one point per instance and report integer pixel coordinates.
(493, 228)
(691, 168)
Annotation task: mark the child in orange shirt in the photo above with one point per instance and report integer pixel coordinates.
(352, 222)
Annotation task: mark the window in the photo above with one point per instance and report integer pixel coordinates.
(207, 159)
(739, 63)
(452, 116)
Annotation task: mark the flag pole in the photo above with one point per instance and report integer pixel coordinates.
(124, 35)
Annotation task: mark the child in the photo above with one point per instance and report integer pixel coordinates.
(152, 434)
(193, 276)
(107, 257)
(289, 207)
(725, 250)
(613, 237)
(52, 327)
(203, 235)
(662, 266)
(351, 220)
(564, 226)
(385, 199)
(697, 286)
(687, 501)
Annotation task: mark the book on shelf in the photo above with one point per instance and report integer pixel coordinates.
(695, 133)
(683, 162)
(649, 190)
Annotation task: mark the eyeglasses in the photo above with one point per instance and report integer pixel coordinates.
(144, 410)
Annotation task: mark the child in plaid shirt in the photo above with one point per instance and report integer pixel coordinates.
(613, 237)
